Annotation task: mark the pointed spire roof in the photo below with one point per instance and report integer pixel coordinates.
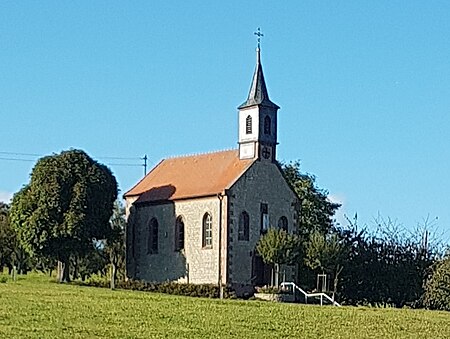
(258, 94)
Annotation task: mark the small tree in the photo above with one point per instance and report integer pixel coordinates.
(277, 247)
(327, 254)
(115, 243)
(11, 252)
(6, 237)
(65, 207)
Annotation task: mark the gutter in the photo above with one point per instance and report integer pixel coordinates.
(220, 196)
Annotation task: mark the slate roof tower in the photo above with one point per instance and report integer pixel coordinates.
(258, 120)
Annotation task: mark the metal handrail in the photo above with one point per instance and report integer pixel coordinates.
(310, 295)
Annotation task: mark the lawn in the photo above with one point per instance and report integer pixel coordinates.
(35, 307)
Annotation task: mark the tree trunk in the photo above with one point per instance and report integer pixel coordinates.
(63, 271)
(336, 280)
(59, 271)
(277, 274)
(272, 276)
(75, 268)
(66, 274)
(113, 275)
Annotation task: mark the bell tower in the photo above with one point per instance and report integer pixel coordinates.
(258, 119)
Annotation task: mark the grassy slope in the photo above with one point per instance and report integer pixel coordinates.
(36, 308)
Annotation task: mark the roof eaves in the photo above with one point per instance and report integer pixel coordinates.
(125, 195)
(167, 201)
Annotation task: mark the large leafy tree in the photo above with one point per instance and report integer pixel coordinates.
(316, 211)
(65, 207)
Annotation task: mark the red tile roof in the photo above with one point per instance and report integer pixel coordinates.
(190, 176)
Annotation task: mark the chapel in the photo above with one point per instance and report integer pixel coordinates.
(197, 218)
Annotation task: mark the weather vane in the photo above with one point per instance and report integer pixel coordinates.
(259, 35)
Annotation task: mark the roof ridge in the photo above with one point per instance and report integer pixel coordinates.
(188, 176)
(199, 154)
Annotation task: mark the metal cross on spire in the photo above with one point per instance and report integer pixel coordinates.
(259, 35)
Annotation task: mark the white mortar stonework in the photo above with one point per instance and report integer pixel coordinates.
(195, 263)
(262, 183)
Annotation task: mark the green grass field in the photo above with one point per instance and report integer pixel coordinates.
(34, 307)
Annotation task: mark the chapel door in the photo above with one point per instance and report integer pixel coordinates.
(261, 272)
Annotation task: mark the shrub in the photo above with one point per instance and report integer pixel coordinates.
(169, 287)
(271, 290)
(3, 279)
(94, 280)
(437, 288)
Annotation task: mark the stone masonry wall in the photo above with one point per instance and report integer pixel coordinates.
(194, 264)
(262, 183)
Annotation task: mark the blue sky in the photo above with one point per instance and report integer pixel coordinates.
(363, 89)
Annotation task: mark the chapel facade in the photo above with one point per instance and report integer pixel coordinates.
(197, 219)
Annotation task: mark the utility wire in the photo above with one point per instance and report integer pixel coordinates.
(23, 154)
(131, 165)
(19, 154)
(12, 159)
(41, 155)
(120, 158)
(109, 164)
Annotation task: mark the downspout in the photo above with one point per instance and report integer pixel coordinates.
(220, 196)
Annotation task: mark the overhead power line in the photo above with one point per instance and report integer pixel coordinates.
(18, 156)
(120, 158)
(42, 155)
(13, 159)
(131, 165)
(22, 154)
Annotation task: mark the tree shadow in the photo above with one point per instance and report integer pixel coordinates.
(165, 262)
(157, 194)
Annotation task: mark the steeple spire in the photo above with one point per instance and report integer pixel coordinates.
(258, 94)
(258, 118)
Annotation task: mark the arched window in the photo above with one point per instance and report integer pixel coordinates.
(248, 125)
(244, 227)
(283, 223)
(152, 240)
(207, 231)
(267, 125)
(264, 207)
(179, 234)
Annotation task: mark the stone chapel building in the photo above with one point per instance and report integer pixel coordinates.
(198, 218)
